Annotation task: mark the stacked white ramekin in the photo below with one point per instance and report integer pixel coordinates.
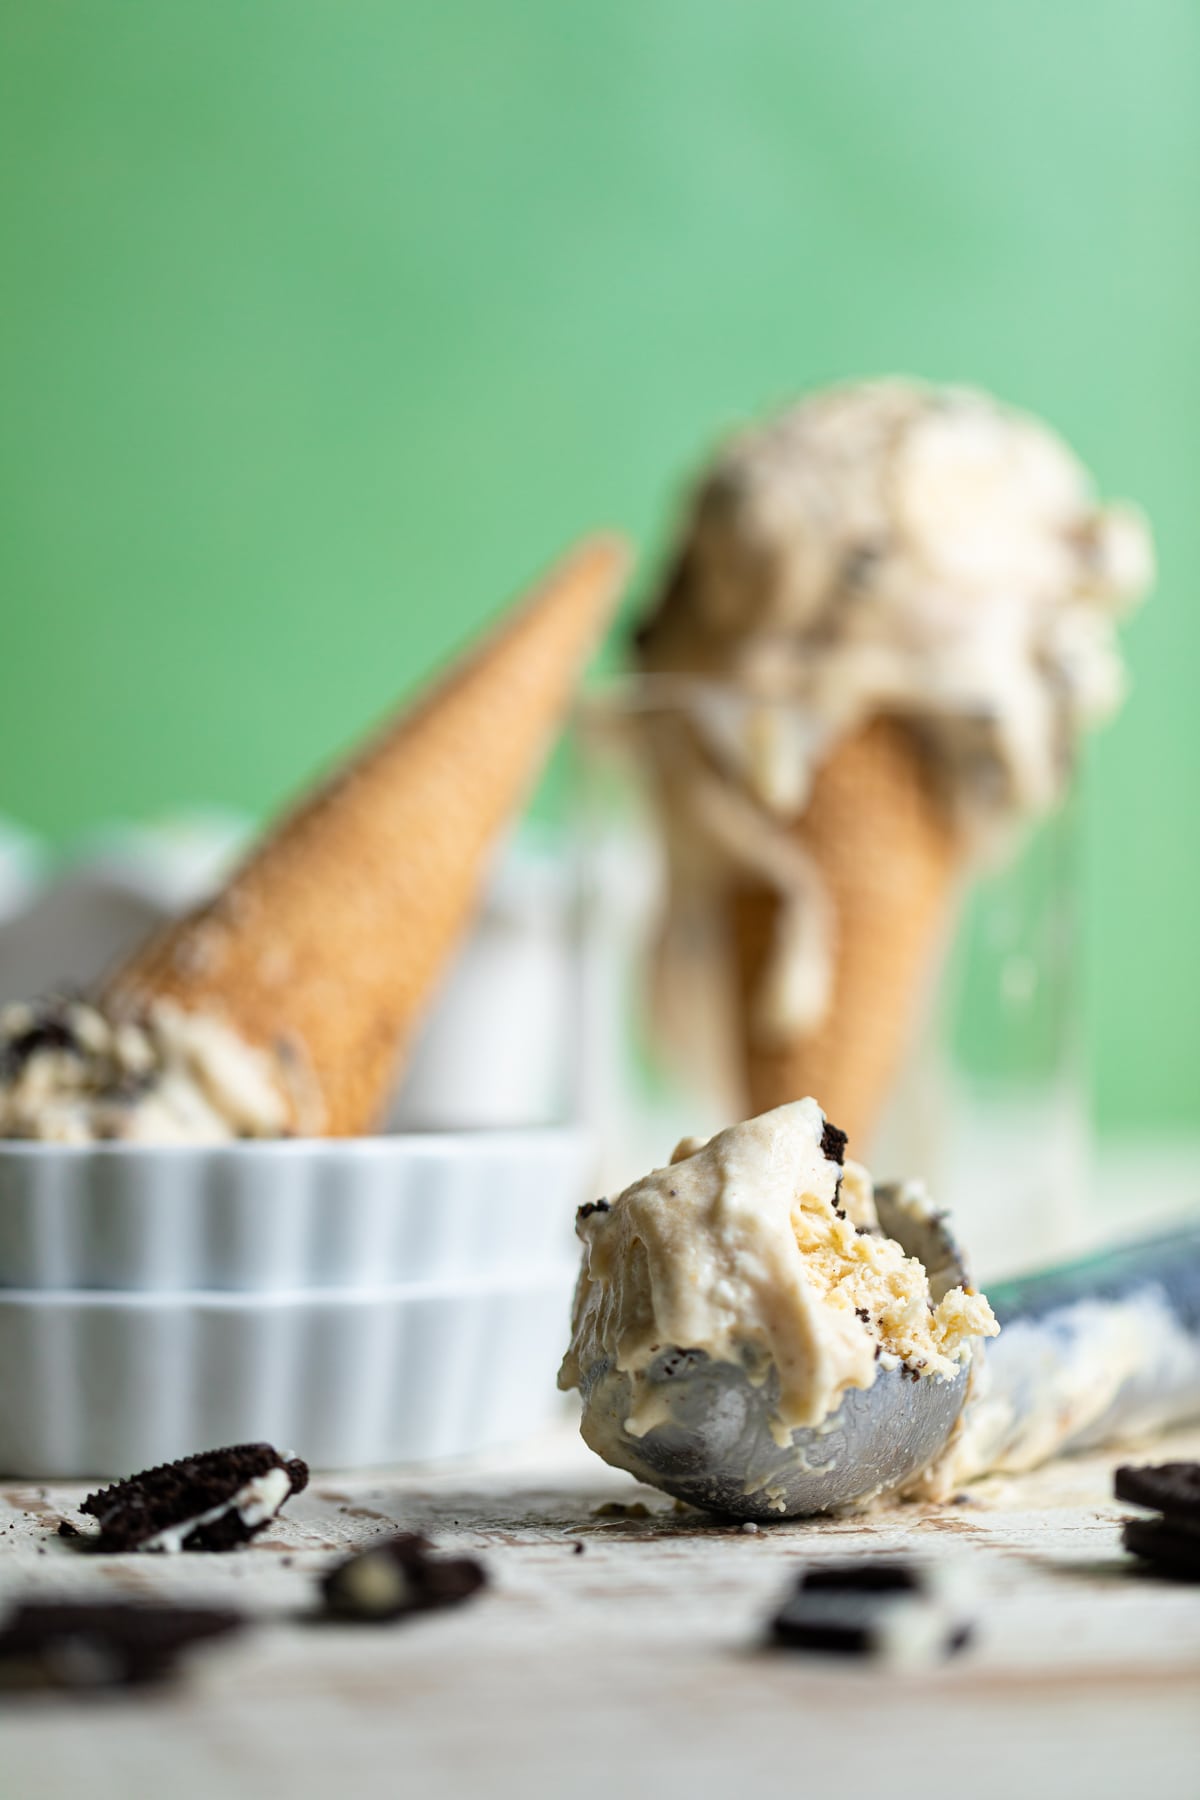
(382, 1300)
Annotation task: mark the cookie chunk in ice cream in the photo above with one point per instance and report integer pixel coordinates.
(763, 1250)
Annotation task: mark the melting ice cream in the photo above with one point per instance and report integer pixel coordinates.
(761, 1249)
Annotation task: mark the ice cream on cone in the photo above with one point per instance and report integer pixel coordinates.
(890, 856)
(307, 976)
(888, 622)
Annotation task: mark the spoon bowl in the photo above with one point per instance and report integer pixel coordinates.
(712, 1443)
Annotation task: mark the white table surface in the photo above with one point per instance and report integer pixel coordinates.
(634, 1667)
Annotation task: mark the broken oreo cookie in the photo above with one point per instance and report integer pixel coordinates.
(98, 1644)
(882, 1609)
(1169, 1544)
(1169, 1547)
(864, 1575)
(47, 1030)
(400, 1576)
(213, 1501)
(1172, 1488)
(833, 1143)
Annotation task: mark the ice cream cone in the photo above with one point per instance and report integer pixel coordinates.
(324, 948)
(890, 857)
(881, 551)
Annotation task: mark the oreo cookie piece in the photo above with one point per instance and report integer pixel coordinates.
(901, 1631)
(1165, 1546)
(213, 1501)
(833, 1143)
(84, 1644)
(866, 1575)
(398, 1577)
(1172, 1488)
(884, 1610)
(1169, 1544)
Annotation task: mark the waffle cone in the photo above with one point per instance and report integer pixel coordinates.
(890, 857)
(325, 946)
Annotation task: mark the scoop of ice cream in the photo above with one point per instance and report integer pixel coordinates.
(898, 548)
(73, 1074)
(762, 1250)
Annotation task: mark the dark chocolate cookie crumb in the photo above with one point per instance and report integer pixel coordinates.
(50, 1030)
(90, 1644)
(1172, 1488)
(679, 1362)
(592, 1206)
(843, 1628)
(864, 1575)
(399, 1577)
(833, 1143)
(1168, 1545)
(1165, 1547)
(297, 1469)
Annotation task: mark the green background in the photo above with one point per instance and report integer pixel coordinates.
(324, 324)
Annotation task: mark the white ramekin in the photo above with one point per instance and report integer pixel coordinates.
(300, 1214)
(105, 1383)
(360, 1302)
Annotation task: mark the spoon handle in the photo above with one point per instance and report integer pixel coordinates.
(1097, 1350)
(1171, 1262)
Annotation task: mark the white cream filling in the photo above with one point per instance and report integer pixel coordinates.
(376, 1585)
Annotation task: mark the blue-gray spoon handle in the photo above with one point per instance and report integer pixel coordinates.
(1101, 1349)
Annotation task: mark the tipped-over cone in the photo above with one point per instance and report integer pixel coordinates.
(890, 857)
(325, 946)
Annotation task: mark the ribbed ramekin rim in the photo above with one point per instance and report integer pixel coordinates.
(481, 1140)
(244, 1300)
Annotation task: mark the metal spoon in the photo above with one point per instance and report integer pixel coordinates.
(1089, 1352)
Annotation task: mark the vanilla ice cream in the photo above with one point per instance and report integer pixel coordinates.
(762, 1250)
(920, 551)
(71, 1073)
